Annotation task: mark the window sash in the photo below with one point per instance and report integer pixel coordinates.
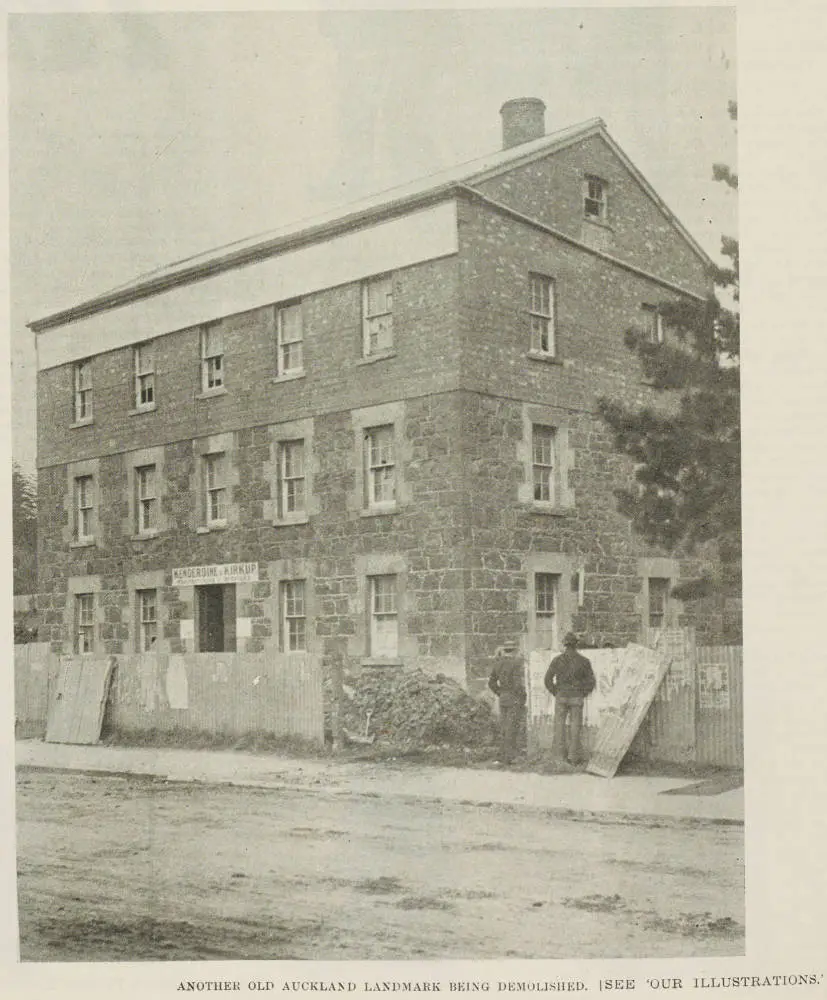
(294, 616)
(83, 391)
(215, 486)
(289, 336)
(543, 451)
(542, 314)
(147, 619)
(212, 357)
(377, 315)
(85, 622)
(292, 476)
(384, 618)
(84, 506)
(658, 601)
(546, 601)
(594, 197)
(146, 495)
(654, 324)
(381, 465)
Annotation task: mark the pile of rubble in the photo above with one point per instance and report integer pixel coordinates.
(411, 709)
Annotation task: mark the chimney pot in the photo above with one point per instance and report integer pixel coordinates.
(524, 119)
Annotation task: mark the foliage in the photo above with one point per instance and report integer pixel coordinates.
(24, 530)
(686, 446)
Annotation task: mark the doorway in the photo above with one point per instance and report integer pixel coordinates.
(215, 608)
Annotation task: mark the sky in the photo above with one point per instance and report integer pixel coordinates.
(139, 139)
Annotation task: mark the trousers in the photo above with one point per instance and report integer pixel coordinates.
(511, 713)
(568, 727)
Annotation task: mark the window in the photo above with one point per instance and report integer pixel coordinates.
(384, 622)
(294, 619)
(215, 486)
(212, 357)
(377, 315)
(84, 508)
(543, 463)
(594, 198)
(292, 479)
(147, 620)
(83, 391)
(541, 312)
(144, 376)
(146, 499)
(659, 588)
(653, 324)
(546, 587)
(84, 623)
(381, 471)
(289, 334)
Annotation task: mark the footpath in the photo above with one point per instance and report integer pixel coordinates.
(627, 798)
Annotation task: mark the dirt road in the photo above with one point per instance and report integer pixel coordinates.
(128, 869)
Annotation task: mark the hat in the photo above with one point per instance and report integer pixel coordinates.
(570, 640)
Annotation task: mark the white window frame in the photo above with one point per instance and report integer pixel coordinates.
(383, 615)
(144, 364)
(289, 352)
(547, 588)
(147, 614)
(216, 487)
(654, 324)
(212, 358)
(380, 466)
(294, 616)
(544, 464)
(377, 319)
(146, 499)
(84, 508)
(85, 623)
(542, 314)
(292, 480)
(83, 391)
(595, 198)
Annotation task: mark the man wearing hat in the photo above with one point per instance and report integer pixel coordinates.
(507, 681)
(570, 679)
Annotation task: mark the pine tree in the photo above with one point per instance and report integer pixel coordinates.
(24, 531)
(686, 494)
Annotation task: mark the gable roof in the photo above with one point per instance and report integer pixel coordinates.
(392, 201)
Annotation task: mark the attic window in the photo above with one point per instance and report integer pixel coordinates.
(594, 198)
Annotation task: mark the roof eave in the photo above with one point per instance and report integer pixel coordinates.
(249, 255)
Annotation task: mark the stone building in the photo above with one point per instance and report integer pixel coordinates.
(373, 436)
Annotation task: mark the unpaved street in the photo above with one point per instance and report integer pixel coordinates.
(123, 868)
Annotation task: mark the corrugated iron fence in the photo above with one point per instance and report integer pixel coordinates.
(697, 713)
(227, 694)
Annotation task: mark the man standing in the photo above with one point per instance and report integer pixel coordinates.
(570, 679)
(507, 681)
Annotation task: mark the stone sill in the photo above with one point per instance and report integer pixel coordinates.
(602, 223)
(83, 543)
(289, 376)
(144, 536)
(379, 356)
(380, 661)
(211, 393)
(148, 408)
(546, 359)
(550, 510)
(205, 529)
(378, 511)
(286, 522)
(86, 422)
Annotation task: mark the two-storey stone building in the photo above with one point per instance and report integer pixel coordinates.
(375, 434)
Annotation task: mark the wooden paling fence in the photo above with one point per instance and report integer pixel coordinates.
(695, 716)
(225, 694)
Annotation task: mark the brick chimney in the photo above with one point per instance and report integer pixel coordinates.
(524, 119)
